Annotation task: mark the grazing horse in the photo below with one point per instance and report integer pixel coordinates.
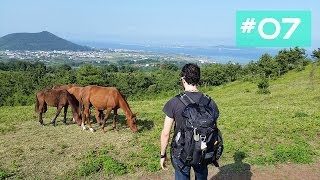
(76, 91)
(105, 98)
(56, 98)
(73, 89)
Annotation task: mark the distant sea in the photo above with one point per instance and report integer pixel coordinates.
(220, 54)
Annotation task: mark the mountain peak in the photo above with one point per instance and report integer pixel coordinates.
(43, 40)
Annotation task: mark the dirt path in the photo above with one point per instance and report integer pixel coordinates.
(279, 172)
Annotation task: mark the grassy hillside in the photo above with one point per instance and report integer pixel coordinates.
(280, 127)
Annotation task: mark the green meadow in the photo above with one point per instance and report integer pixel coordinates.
(267, 129)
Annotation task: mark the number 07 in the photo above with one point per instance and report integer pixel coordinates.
(295, 23)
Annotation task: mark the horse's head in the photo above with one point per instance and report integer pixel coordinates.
(132, 123)
(77, 118)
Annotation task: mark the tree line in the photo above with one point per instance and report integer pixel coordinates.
(19, 80)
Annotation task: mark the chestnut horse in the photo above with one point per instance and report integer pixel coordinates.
(73, 89)
(56, 98)
(76, 91)
(105, 98)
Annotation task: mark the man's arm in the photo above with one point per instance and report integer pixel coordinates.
(165, 135)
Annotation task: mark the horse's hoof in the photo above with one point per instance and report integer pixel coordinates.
(103, 130)
(84, 128)
(91, 129)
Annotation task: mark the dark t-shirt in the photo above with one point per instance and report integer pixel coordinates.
(174, 107)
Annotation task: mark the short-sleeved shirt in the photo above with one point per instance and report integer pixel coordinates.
(174, 107)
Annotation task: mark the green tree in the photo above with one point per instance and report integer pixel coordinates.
(267, 66)
(89, 75)
(110, 68)
(316, 55)
(289, 59)
(233, 71)
(169, 66)
(213, 75)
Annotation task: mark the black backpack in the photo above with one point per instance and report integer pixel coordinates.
(198, 141)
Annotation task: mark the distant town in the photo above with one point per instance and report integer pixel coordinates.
(103, 56)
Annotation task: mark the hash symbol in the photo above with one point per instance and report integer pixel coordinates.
(248, 25)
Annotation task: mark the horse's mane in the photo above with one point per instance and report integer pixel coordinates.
(124, 99)
(123, 96)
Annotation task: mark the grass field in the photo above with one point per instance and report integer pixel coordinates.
(276, 128)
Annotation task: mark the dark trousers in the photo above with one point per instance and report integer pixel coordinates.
(201, 172)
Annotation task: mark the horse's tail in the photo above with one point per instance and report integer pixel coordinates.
(75, 105)
(37, 105)
(72, 101)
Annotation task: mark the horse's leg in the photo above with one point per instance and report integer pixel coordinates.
(85, 116)
(101, 115)
(59, 108)
(105, 119)
(89, 122)
(65, 114)
(115, 114)
(41, 110)
(40, 118)
(98, 117)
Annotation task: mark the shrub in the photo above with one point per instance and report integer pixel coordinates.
(263, 86)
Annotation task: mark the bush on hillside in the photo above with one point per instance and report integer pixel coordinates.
(263, 86)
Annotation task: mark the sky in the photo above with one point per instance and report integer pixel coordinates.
(190, 22)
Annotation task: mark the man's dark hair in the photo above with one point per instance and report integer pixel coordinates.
(191, 73)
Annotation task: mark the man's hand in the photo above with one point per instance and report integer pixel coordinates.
(163, 163)
(164, 139)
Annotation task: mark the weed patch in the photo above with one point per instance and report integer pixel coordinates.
(5, 173)
(300, 115)
(96, 161)
(296, 154)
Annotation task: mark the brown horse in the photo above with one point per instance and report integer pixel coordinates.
(105, 98)
(56, 98)
(73, 89)
(76, 91)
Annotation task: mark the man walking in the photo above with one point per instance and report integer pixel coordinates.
(174, 109)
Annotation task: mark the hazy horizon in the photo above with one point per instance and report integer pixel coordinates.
(141, 22)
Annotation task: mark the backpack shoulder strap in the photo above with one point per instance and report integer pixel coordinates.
(185, 99)
(205, 99)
